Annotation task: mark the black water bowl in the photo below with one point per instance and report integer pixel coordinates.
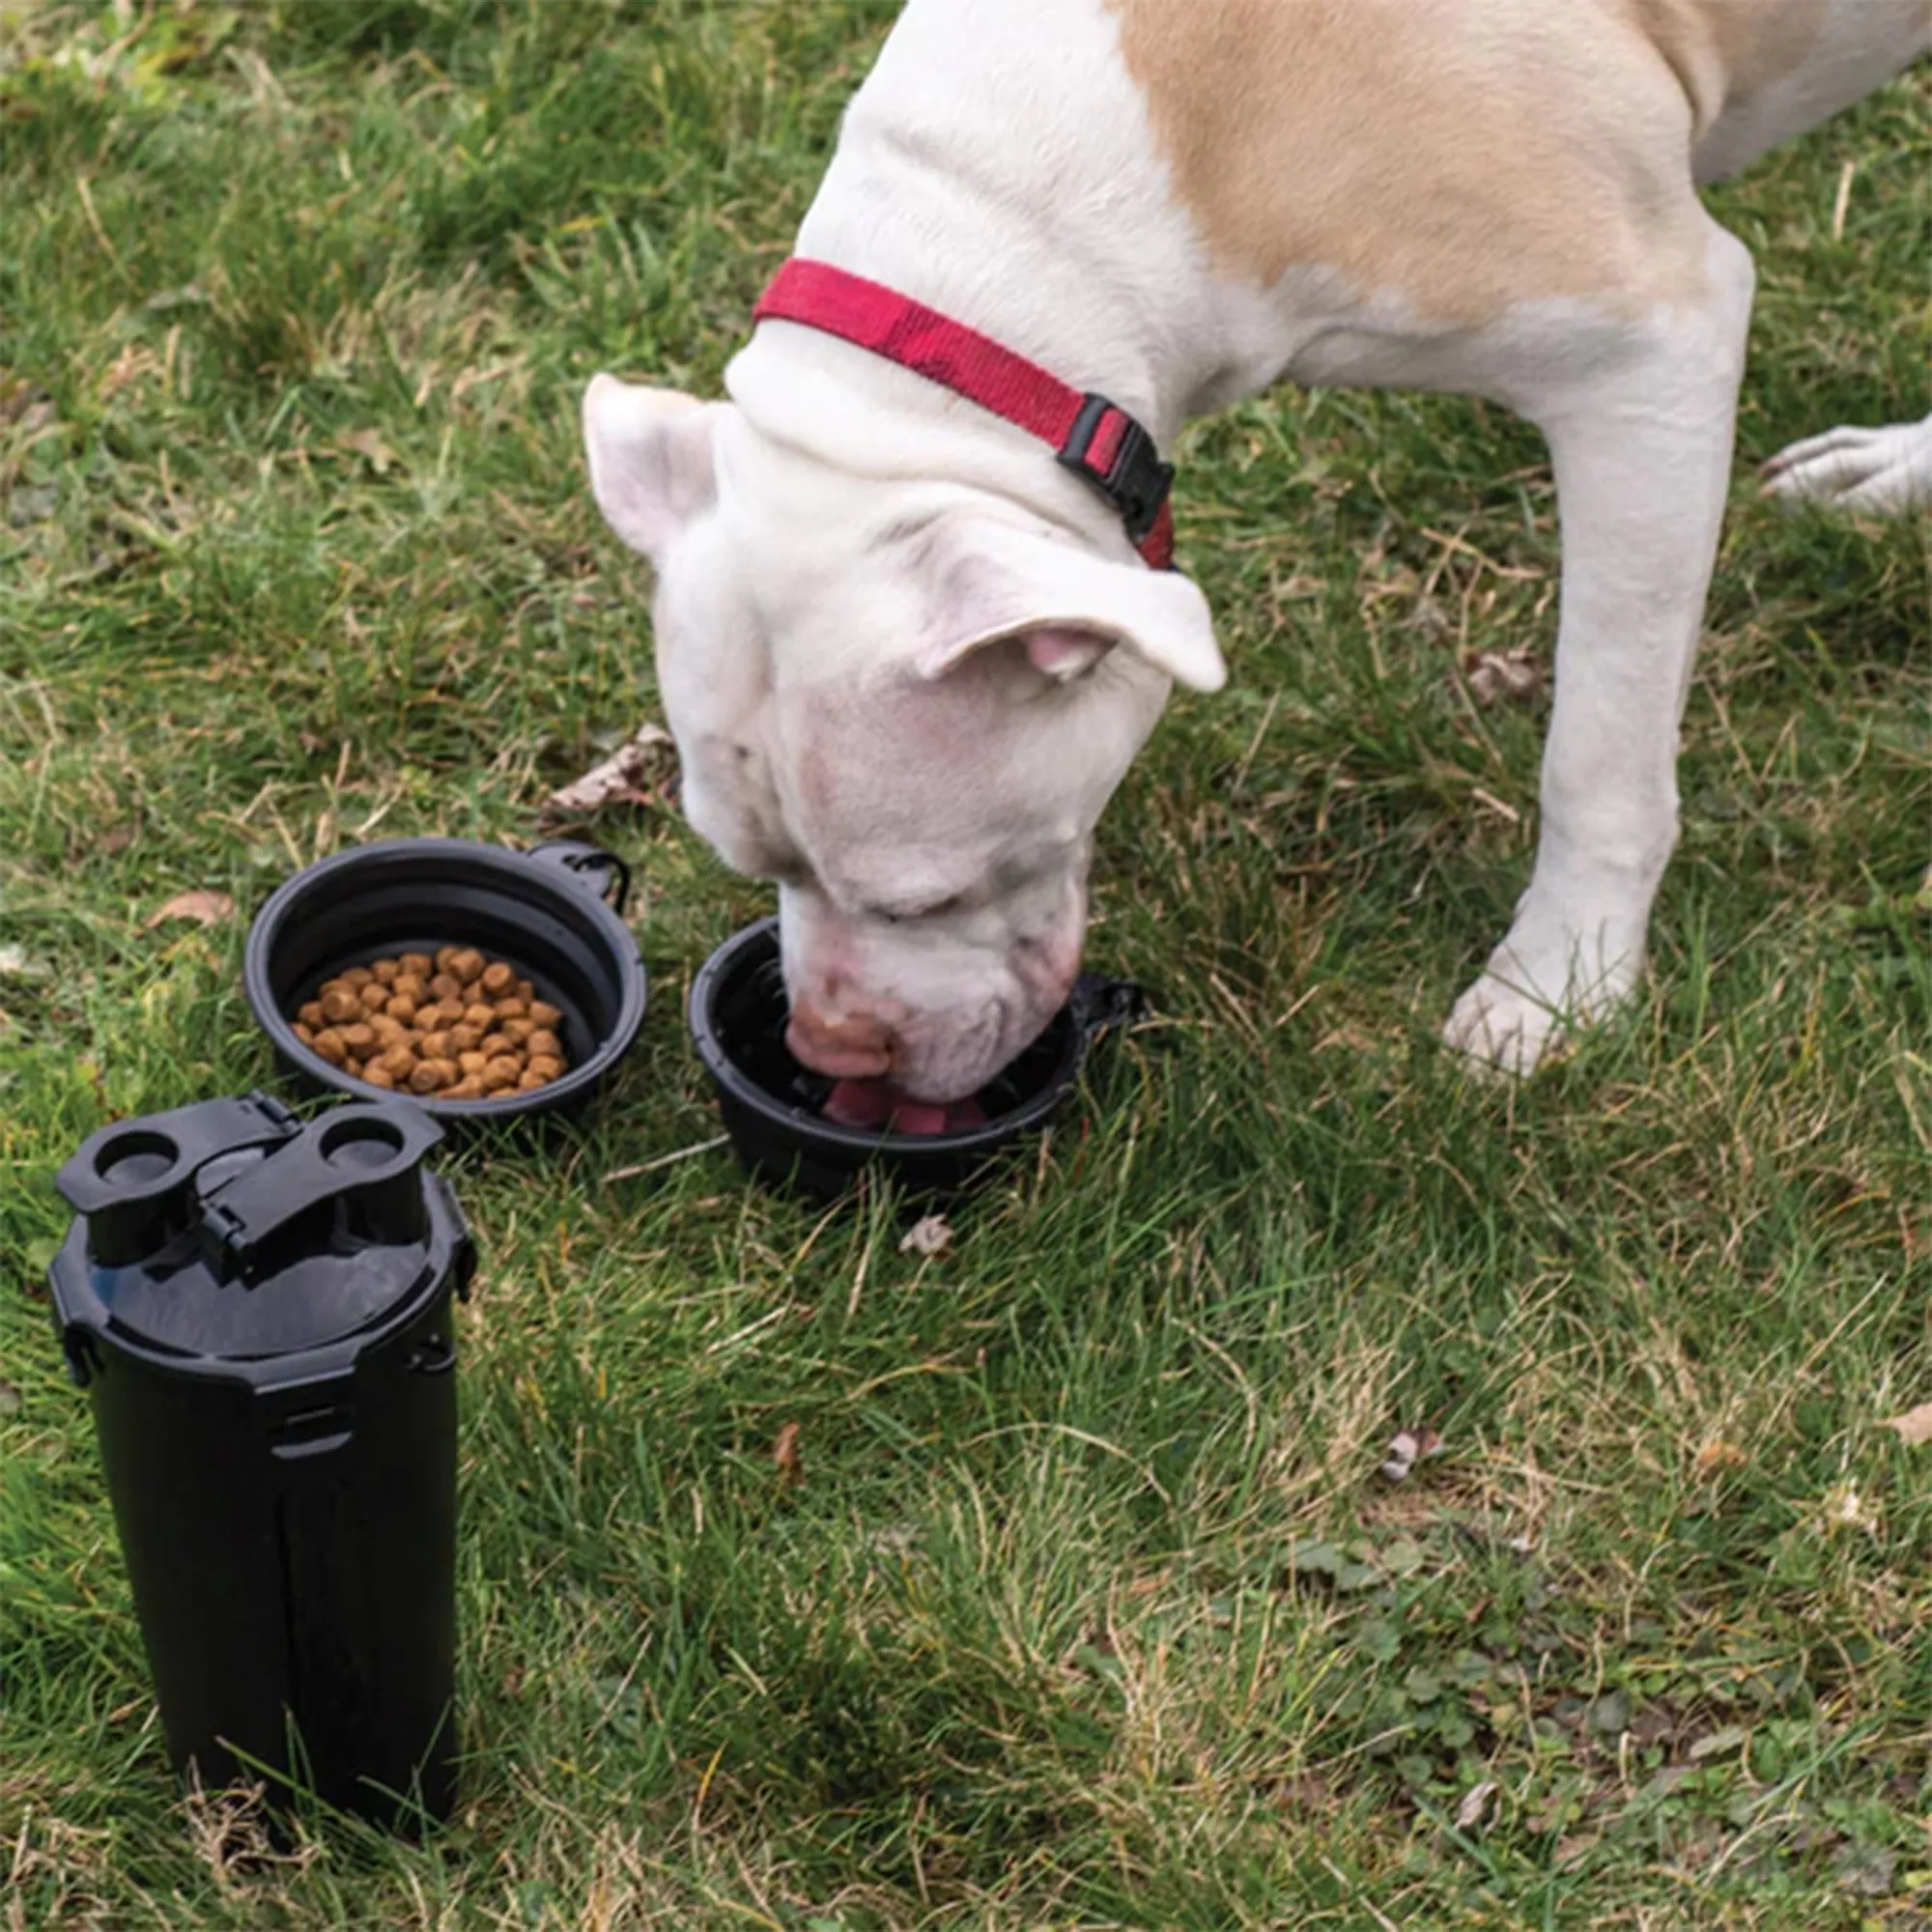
(552, 913)
(772, 1104)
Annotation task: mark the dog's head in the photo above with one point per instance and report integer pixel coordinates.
(906, 708)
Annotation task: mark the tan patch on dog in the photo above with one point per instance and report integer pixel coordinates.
(1464, 155)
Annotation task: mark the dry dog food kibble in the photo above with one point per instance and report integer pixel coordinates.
(459, 1027)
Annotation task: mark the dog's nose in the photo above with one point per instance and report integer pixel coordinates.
(850, 1046)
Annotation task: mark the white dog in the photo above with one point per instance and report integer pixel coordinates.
(907, 655)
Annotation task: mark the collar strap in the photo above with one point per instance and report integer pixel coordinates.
(1096, 439)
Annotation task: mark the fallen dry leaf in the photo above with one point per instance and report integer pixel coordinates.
(896, 1538)
(1305, 1792)
(1469, 1813)
(129, 366)
(17, 402)
(785, 1458)
(931, 1236)
(1915, 1426)
(1493, 676)
(620, 779)
(1846, 1509)
(191, 295)
(204, 907)
(1409, 1448)
(1715, 1458)
(1427, 616)
(1717, 1743)
(370, 447)
(1866, 1869)
(31, 504)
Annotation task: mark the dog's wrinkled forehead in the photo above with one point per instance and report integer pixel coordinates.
(868, 680)
(909, 791)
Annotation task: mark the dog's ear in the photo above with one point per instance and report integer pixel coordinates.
(650, 459)
(991, 583)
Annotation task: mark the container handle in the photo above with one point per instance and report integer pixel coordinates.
(132, 1180)
(76, 1343)
(367, 1153)
(580, 860)
(1100, 1005)
(434, 1355)
(307, 1418)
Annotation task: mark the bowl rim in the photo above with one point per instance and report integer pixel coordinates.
(579, 1083)
(820, 1135)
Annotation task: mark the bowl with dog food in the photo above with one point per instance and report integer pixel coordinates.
(483, 984)
(813, 1135)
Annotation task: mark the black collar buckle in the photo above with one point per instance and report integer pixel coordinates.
(1112, 452)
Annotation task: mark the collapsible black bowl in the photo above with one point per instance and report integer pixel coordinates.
(544, 911)
(771, 1104)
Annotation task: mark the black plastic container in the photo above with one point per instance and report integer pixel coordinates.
(772, 1105)
(545, 912)
(260, 1312)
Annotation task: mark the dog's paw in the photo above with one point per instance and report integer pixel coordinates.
(1506, 1024)
(1885, 471)
(1503, 1029)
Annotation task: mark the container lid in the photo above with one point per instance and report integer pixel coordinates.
(230, 1230)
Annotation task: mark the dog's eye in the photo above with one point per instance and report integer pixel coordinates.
(901, 915)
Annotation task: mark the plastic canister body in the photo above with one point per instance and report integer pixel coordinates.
(288, 1513)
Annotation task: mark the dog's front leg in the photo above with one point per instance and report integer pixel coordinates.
(1639, 422)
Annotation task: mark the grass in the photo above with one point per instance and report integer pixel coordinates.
(1092, 1608)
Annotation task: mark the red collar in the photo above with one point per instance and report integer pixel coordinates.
(1096, 439)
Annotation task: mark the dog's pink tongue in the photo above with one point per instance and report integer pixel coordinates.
(877, 1103)
(859, 1103)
